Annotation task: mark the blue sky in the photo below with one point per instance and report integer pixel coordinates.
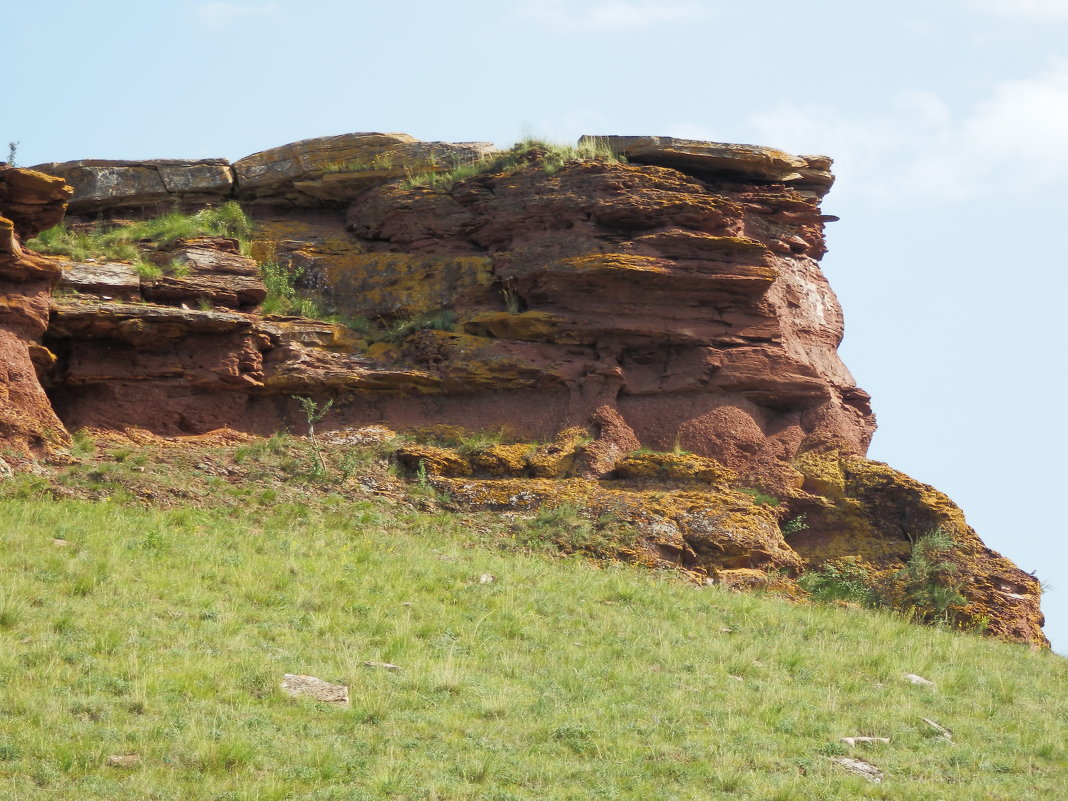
(948, 121)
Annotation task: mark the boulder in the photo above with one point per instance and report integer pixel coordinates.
(32, 200)
(103, 185)
(339, 168)
(206, 270)
(744, 161)
(108, 280)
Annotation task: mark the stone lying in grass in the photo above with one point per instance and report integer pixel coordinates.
(311, 687)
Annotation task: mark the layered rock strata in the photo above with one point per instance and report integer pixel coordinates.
(656, 330)
(29, 202)
(330, 169)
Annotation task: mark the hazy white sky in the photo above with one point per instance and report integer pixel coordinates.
(948, 120)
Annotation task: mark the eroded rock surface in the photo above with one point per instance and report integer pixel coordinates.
(29, 201)
(102, 185)
(655, 338)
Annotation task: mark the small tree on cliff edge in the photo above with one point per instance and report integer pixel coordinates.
(313, 413)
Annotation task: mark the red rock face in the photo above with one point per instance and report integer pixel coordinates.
(674, 303)
(29, 202)
(696, 305)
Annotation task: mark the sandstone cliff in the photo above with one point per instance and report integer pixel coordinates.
(651, 336)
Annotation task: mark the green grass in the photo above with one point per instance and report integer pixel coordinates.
(164, 630)
(126, 243)
(283, 296)
(381, 161)
(549, 156)
(131, 242)
(761, 497)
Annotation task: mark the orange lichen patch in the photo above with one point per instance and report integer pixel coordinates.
(43, 359)
(750, 579)
(436, 461)
(699, 531)
(441, 434)
(313, 370)
(560, 457)
(822, 473)
(530, 326)
(674, 467)
(218, 437)
(383, 352)
(467, 363)
(867, 509)
(319, 334)
(405, 284)
(502, 461)
(303, 240)
(611, 262)
(694, 242)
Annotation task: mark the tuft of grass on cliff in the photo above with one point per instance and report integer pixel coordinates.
(548, 155)
(128, 242)
(155, 623)
(124, 242)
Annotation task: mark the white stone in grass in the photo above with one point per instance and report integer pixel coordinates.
(861, 768)
(383, 665)
(124, 760)
(912, 677)
(487, 578)
(312, 687)
(855, 741)
(938, 727)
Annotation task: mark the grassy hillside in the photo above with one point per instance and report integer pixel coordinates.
(148, 613)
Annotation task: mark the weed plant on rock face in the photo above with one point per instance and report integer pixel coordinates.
(164, 633)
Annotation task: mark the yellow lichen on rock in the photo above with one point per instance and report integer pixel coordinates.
(675, 467)
(867, 509)
(467, 363)
(406, 284)
(560, 457)
(822, 471)
(434, 460)
(529, 326)
(611, 262)
(502, 461)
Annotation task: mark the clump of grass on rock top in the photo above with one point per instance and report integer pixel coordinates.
(126, 242)
(551, 157)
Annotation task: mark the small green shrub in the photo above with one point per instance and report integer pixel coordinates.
(929, 581)
(81, 443)
(442, 320)
(760, 497)
(313, 413)
(149, 271)
(793, 525)
(926, 589)
(843, 579)
(283, 297)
